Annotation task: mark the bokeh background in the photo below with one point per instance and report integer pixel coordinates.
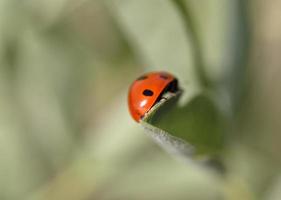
(65, 68)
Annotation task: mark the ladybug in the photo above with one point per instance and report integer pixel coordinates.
(147, 90)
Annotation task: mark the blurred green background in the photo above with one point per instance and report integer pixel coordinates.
(65, 131)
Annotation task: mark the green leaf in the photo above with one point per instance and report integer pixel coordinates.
(197, 126)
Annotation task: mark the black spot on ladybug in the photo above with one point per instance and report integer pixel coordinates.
(147, 92)
(141, 78)
(164, 76)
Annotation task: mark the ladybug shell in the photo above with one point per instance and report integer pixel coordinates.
(146, 91)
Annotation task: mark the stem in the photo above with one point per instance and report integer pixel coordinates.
(195, 42)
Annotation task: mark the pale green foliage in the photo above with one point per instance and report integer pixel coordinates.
(65, 131)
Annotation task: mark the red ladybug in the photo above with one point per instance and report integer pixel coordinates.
(147, 90)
